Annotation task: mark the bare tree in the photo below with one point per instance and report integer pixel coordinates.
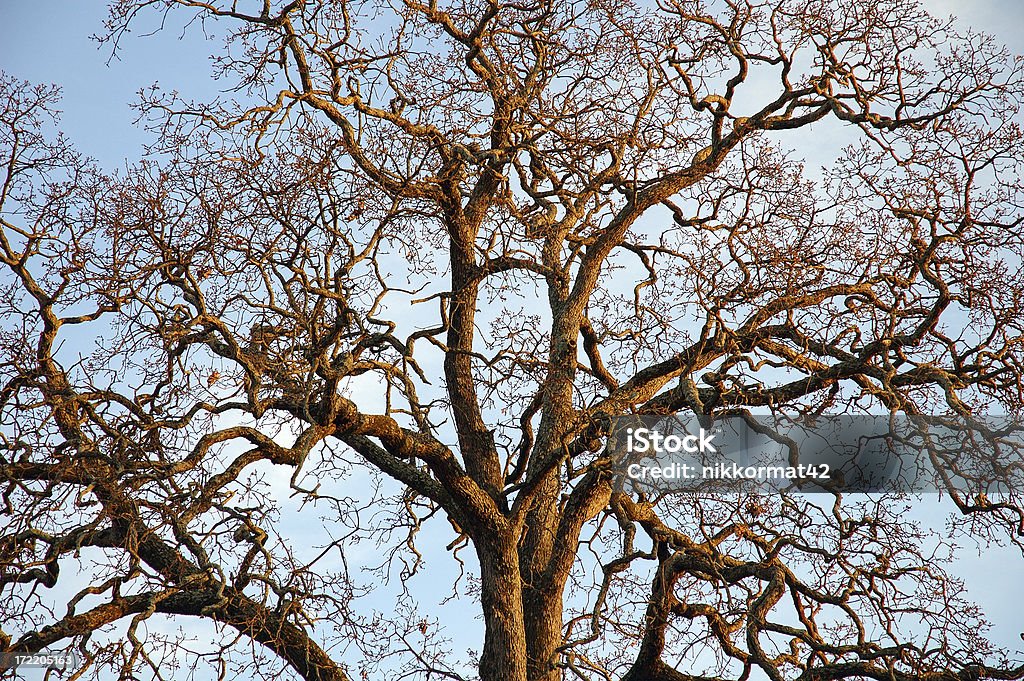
(423, 258)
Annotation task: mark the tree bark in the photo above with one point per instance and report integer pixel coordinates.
(543, 619)
(504, 653)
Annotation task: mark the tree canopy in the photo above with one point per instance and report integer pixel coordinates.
(409, 267)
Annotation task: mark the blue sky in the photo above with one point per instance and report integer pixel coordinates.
(48, 41)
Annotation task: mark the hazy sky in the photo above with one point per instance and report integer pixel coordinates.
(48, 41)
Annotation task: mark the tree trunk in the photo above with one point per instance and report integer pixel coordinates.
(543, 621)
(504, 653)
